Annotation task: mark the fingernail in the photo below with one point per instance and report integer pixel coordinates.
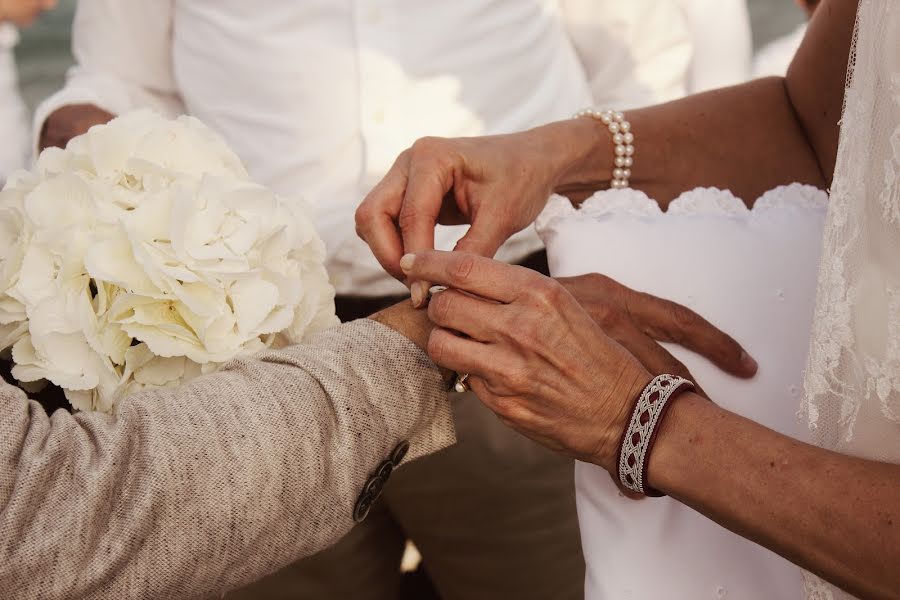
(418, 295)
(749, 363)
(406, 263)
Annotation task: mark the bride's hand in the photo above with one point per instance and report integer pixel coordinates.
(499, 184)
(540, 360)
(638, 321)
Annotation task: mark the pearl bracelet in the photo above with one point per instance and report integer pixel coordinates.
(623, 140)
(640, 434)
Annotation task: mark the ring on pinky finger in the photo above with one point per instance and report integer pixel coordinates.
(461, 385)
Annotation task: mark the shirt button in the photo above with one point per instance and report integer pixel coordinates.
(399, 453)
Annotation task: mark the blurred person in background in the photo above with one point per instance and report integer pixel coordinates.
(723, 45)
(774, 58)
(13, 115)
(318, 98)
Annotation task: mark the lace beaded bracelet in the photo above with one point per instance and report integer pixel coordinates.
(640, 435)
(623, 142)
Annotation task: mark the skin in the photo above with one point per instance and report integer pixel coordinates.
(71, 121)
(24, 12)
(550, 371)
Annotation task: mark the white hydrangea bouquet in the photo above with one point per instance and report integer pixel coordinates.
(142, 255)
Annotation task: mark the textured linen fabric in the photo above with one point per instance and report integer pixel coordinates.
(319, 97)
(493, 517)
(192, 491)
(752, 274)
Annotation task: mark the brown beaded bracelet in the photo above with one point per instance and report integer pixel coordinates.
(639, 436)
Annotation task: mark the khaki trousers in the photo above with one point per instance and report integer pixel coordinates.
(494, 518)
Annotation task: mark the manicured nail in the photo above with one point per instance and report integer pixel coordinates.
(406, 263)
(418, 293)
(749, 363)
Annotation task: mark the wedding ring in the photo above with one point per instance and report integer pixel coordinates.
(462, 385)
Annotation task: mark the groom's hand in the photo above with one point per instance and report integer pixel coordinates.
(70, 121)
(638, 321)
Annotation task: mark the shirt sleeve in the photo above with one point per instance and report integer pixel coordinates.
(634, 53)
(13, 114)
(123, 60)
(723, 47)
(191, 491)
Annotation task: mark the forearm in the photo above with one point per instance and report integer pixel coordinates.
(191, 491)
(745, 138)
(835, 515)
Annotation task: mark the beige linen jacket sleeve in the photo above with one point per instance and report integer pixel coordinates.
(189, 492)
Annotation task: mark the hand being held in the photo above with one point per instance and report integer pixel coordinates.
(71, 121)
(558, 373)
(499, 184)
(533, 355)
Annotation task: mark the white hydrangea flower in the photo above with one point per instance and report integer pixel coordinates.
(142, 255)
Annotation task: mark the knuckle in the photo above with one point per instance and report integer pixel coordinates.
(426, 146)
(604, 315)
(439, 309)
(437, 345)
(461, 268)
(409, 215)
(364, 214)
(546, 292)
(684, 317)
(599, 280)
(516, 380)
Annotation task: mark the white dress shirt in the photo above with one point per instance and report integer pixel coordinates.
(13, 116)
(775, 57)
(723, 45)
(319, 97)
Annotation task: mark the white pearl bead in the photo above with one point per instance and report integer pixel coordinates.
(626, 174)
(624, 183)
(629, 162)
(614, 127)
(620, 161)
(618, 116)
(618, 139)
(606, 118)
(615, 184)
(629, 150)
(620, 150)
(628, 137)
(619, 173)
(625, 126)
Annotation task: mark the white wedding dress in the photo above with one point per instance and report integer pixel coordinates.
(851, 396)
(751, 273)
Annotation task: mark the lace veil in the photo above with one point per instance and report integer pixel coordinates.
(852, 399)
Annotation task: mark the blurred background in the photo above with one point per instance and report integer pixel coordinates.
(44, 54)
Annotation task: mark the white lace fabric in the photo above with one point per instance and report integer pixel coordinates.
(852, 399)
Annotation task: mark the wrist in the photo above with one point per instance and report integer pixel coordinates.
(680, 435)
(629, 390)
(407, 321)
(582, 154)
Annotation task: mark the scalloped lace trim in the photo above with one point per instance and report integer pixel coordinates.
(699, 201)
